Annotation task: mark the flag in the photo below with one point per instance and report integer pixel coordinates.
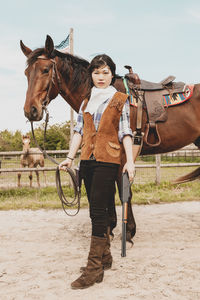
(64, 46)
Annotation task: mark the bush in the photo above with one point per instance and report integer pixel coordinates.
(57, 138)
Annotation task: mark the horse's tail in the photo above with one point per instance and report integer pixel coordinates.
(189, 177)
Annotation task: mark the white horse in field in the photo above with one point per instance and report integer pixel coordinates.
(31, 158)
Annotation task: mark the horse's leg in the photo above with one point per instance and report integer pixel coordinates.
(41, 163)
(31, 178)
(19, 177)
(38, 178)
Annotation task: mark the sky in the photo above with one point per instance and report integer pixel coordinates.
(157, 37)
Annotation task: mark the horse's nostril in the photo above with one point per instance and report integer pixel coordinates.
(34, 111)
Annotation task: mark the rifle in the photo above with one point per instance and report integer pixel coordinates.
(125, 194)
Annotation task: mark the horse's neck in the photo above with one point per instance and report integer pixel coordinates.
(119, 85)
(74, 97)
(26, 150)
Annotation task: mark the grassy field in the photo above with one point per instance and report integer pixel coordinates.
(145, 191)
(47, 198)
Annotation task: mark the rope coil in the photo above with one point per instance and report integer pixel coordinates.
(77, 190)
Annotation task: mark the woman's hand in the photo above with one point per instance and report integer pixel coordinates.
(65, 163)
(130, 168)
(75, 144)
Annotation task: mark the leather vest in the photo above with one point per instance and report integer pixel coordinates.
(104, 143)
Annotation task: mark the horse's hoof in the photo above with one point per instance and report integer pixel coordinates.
(129, 238)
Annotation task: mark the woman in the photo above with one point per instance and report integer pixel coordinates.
(102, 128)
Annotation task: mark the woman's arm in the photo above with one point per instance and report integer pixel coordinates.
(75, 144)
(129, 165)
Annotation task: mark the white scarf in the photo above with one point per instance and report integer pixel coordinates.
(98, 96)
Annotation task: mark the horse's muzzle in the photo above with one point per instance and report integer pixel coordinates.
(34, 115)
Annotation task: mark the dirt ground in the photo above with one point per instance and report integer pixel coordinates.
(41, 253)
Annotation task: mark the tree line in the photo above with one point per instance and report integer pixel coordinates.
(57, 138)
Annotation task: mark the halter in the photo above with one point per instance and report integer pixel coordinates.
(53, 76)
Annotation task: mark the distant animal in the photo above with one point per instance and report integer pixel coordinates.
(31, 158)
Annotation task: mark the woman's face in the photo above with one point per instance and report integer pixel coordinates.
(102, 77)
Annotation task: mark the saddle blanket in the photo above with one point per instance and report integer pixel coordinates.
(169, 100)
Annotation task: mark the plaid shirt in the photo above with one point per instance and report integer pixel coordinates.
(124, 122)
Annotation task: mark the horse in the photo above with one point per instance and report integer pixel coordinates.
(50, 72)
(31, 158)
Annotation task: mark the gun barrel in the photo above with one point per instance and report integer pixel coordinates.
(124, 222)
(125, 194)
(123, 250)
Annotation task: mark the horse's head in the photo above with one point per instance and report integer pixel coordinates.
(42, 79)
(26, 140)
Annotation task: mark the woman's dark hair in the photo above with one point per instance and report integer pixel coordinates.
(100, 61)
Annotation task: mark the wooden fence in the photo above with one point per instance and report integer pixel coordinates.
(189, 151)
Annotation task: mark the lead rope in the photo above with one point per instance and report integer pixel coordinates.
(77, 189)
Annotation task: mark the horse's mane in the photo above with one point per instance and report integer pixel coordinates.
(79, 65)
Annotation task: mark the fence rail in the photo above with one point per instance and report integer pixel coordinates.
(16, 170)
(189, 150)
(16, 153)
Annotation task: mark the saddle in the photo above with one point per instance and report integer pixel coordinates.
(151, 94)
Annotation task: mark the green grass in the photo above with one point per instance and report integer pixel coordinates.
(165, 193)
(47, 198)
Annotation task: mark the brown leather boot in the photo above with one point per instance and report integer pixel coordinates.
(107, 257)
(94, 270)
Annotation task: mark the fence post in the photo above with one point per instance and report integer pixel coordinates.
(158, 162)
(71, 47)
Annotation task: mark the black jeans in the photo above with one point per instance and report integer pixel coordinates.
(99, 179)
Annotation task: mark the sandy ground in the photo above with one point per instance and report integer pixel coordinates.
(41, 253)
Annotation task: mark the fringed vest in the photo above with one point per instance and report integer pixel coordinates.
(103, 143)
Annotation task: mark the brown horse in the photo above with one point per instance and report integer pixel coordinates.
(31, 158)
(50, 72)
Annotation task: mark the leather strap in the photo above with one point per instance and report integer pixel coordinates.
(152, 131)
(139, 115)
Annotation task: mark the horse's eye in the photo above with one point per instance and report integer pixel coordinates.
(45, 71)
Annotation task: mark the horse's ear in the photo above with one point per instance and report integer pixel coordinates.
(49, 46)
(25, 49)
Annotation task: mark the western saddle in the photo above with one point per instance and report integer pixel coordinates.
(149, 95)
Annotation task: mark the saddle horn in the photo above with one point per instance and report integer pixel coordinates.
(133, 77)
(129, 68)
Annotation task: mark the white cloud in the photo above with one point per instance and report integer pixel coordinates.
(194, 14)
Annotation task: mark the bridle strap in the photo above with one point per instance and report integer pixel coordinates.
(54, 75)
